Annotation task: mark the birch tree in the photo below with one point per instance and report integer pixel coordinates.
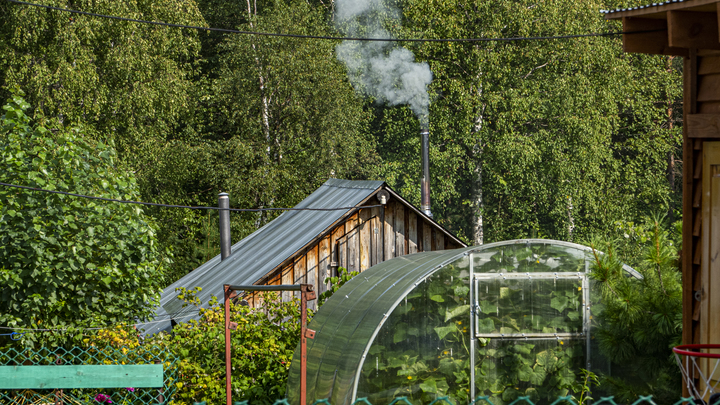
(555, 138)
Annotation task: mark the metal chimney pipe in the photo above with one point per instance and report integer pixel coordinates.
(425, 182)
(224, 211)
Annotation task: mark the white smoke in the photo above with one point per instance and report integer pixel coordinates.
(379, 68)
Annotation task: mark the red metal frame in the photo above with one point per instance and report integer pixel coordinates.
(682, 349)
(306, 294)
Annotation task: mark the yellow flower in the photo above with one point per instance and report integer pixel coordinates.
(561, 342)
(409, 378)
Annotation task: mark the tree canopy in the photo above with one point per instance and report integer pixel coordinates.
(549, 138)
(69, 262)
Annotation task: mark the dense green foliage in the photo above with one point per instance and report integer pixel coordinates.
(262, 347)
(537, 138)
(561, 139)
(68, 261)
(641, 319)
(556, 138)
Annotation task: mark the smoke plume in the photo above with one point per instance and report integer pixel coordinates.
(381, 69)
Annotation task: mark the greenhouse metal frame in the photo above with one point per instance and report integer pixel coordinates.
(352, 326)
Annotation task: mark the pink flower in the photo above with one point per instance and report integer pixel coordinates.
(103, 399)
(130, 389)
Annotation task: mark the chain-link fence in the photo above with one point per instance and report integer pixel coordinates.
(164, 395)
(85, 357)
(485, 400)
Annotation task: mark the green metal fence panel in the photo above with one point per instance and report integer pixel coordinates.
(93, 376)
(140, 387)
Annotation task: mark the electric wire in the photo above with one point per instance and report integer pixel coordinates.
(166, 317)
(29, 330)
(333, 38)
(191, 207)
(73, 329)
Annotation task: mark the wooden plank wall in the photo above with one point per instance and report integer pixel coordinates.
(366, 238)
(702, 125)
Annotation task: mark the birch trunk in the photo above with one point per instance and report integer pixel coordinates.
(478, 204)
(265, 112)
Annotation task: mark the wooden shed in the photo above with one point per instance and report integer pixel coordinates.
(690, 29)
(309, 245)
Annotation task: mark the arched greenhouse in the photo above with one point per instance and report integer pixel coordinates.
(503, 319)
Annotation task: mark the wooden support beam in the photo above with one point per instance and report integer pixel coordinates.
(708, 65)
(312, 273)
(300, 273)
(380, 243)
(399, 230)
(653, 41)
(389, 233)
(693, 29)
(717, 13)
(287, 278)
(324, 269)
(427, 237)
(438, 241)
(412, 238)
(690, 67)
(335, 238)
(353, 244)
(697, 172)
(709, 107)
(708, 88)
(84, 376)
(365, 235)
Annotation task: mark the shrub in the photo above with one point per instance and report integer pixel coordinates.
(68, 262)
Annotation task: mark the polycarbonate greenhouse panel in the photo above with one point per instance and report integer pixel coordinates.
(457, 323)
(350, 321)
(543, 305)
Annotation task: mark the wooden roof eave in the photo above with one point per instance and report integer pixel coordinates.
(660, 10)
(670, 29)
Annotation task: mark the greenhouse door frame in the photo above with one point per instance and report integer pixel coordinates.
(475, 310)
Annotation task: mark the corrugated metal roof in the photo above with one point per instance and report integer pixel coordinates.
(617, 10)
(657, 9)
(265, 249)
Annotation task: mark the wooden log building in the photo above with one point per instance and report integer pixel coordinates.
(307, 246)
(689, 29)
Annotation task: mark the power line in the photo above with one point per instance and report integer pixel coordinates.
(72, 329)
(168, 317)
(182, 206)
(323, 37)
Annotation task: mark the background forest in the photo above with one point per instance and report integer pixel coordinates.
(560, 138)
